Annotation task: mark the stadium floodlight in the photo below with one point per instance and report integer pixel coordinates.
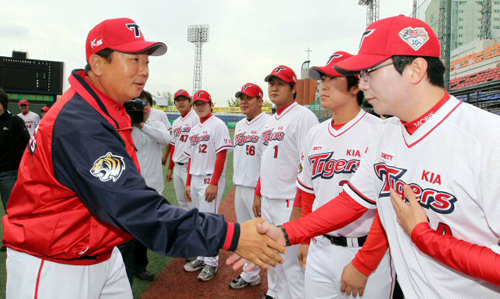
(198, 34)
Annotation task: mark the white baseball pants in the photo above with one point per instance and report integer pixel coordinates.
(180, 178)
(32, 277)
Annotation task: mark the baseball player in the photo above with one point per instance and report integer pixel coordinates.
(79, 192)
(31, 119)
(209, 143)
(329, 158)
(247, 155)
(177, 168)
(283, 138)
(431, 171)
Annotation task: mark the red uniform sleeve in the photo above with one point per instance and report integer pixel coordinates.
(257, 189)
(219, 167)
(336, 214)
(307, 203)
(188, 180)
(374, 249)
(171, 163)
(298, 199)
(471, 259)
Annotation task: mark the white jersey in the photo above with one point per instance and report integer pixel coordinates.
(283, 137)
(248, 150)
(205, 141)
(31, 120)
(451, 163)
(159, 115)
(329, 159)
(180, 132)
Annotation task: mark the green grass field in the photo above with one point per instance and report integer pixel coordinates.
(157, 262)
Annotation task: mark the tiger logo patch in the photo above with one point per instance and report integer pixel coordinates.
(108, 167)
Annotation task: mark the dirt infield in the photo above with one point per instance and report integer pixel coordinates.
(174, 282)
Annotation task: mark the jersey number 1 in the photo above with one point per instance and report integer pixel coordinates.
(275, 152)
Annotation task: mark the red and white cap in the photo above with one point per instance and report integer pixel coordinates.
(400, 35)
(316, 72)
(121, 35)
(284, 73)
(23, 102)
(181, 93)
(251, 90)
(202, 95)
(45, 109)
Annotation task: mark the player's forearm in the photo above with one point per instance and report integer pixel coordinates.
(189, 176)
(336, 214)
(307, 202)
(219, 167)
(171, 163)
(257, 188)
(471, 259)
(374, 249)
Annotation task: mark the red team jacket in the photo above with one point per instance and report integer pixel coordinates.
(79, 191)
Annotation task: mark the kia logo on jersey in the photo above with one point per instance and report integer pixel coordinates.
(438, 201)
(195, 139)
(241, 139)
(323, 166)
(269, 136)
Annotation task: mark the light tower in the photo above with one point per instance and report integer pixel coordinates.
(372, 10)
(486, 20)
(198, 34)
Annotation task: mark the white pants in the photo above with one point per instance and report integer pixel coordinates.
(325, 264)
(180, 178)
(286, 280)
(243, 204)
(32, 277)
(199, 185)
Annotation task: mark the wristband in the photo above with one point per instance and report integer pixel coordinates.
(285, 235)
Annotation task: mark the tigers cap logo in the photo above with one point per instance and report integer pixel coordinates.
(108, 167)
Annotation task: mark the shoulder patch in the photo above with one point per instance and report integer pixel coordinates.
(108, 167)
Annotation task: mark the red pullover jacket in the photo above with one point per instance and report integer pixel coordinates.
(79, 191)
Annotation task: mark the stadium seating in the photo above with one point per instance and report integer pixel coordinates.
(476, 78)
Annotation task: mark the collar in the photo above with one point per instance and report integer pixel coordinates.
(413, 125)
(280, 110)
(204, 119)
(184, 115)
(340, 129)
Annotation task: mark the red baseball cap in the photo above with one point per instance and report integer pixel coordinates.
(316, 72)
(24, 102)
(400, 35)
(121, 35)
(182, 93)
(251, 90)
(45, 109)
(202, 95)
(284, 73)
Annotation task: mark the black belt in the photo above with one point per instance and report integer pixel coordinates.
(181, 164)
(342, 241)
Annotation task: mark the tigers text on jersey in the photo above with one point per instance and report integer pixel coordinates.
(451, 163)
(329, 159)
(31, 120)
(248, 150)
(205, 141)
(180, 133)
(283, 138)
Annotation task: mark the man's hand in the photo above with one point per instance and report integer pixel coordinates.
(263, 228)
(188, 193)
(256, 206)
(353, 281)
(168, 177)
(211, 193)
(302, 256)
(139, 125)
(409, 215)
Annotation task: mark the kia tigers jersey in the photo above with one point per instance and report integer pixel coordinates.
(180, 132)
(31, 120)
(329, 159)
(283, 138)
(79, 190)
(205, 141)
(451, 163)
(248, 150)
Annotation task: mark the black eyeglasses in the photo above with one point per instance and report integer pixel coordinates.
(365, 74)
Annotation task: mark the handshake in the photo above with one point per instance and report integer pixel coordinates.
(260, 243)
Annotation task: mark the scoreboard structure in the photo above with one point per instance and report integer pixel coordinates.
(32, 79)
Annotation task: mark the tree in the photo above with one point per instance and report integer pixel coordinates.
(166, 95)
(267, 104)
(233, 102)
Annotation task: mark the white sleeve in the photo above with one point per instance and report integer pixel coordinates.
(304, 181)
(157, 131)
(222, 140)
(165, 121)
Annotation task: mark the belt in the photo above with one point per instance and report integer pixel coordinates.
(346, 242)
(181, 164)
